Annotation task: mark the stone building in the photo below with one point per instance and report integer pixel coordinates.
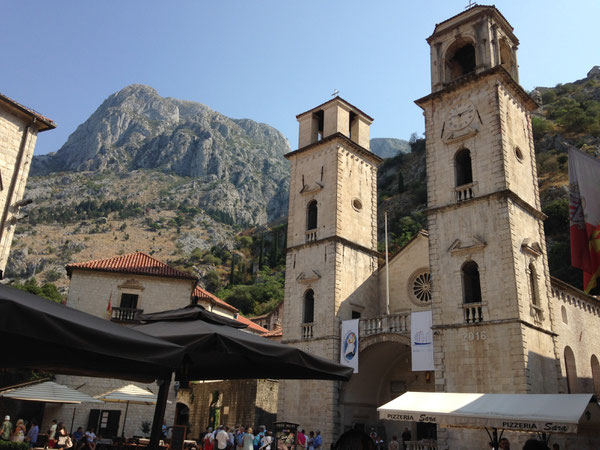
(134, 284)
(19, 127)
(501, 324)
(131, 284)
(270, 320)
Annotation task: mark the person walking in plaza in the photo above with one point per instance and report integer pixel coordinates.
(230, 439)
(19, 433)
(239, 437)
(6, 429)
(258, 437)
(300, 440)
(311, 440)
(209, 439)
(62, 437)
(221, 438)
(266, 441)
(248, 440)
(394, 444)
(32, 434)
(318, 442)
(52, 434)
(406, 438)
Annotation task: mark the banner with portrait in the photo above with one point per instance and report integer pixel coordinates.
(349, 344)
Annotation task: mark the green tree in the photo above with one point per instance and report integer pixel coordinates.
(47, 290)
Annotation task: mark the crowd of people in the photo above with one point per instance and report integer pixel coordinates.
(57, 434)
(243, 438)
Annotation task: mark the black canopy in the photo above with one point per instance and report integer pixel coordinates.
(214, 350)
(191, 312)
(42, 334)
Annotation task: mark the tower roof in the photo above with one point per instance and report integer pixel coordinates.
(471, 14)
(339, 99)
(137, 263)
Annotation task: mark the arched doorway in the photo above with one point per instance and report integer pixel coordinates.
(182, 414)
(384, 373)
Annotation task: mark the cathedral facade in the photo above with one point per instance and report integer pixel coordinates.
(501, 324)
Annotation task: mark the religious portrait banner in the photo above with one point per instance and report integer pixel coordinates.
(349, 344)
(421, 341)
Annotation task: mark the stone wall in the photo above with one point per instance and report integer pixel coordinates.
(241, 402)
(577, 323)
(13, 130)
(89, 291)
(408, 262)
(136, 414)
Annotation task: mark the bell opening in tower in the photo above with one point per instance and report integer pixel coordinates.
(460, 59)
(464, 171)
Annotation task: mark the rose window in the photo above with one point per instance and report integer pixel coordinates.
(420, 287)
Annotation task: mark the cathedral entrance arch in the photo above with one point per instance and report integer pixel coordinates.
(384, 373)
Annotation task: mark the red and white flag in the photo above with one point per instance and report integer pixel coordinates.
(109, 307)
(584, 215)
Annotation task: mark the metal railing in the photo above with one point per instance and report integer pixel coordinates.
(125, 314)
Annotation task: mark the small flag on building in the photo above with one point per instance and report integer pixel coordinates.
(109, 307)
(584, 215)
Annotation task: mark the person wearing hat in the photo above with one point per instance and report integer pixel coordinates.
(7, 429)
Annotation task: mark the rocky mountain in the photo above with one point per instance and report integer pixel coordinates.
(238, 164)
(389, 147)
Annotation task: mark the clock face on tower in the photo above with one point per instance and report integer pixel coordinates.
(461, 116)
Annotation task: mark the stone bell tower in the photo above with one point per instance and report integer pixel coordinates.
(491, 311)
(332, 250)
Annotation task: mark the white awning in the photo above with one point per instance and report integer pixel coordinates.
(130, 393)
(550, 413)
(48, 392)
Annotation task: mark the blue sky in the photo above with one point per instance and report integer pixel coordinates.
(266, 60)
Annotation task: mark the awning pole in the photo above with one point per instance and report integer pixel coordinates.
(493, 437)
(125, 418)
(159, 413)
(73, 419)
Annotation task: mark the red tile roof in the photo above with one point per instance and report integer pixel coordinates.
(205, 295)
(47, 124)
(252, 325)
(137, 263)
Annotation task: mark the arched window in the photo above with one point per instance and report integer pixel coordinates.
(309, 307)
(533, 285)
(470, 280)
(311, 215)
(462, 164)
(596, 374)
(563, 312)
(506, 56)
(571, 369)
(460, 59)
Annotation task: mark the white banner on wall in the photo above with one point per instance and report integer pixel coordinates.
(349, 344)
(421, 341)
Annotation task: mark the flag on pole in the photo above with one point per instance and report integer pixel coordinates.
(584, 215)
(109, 307)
